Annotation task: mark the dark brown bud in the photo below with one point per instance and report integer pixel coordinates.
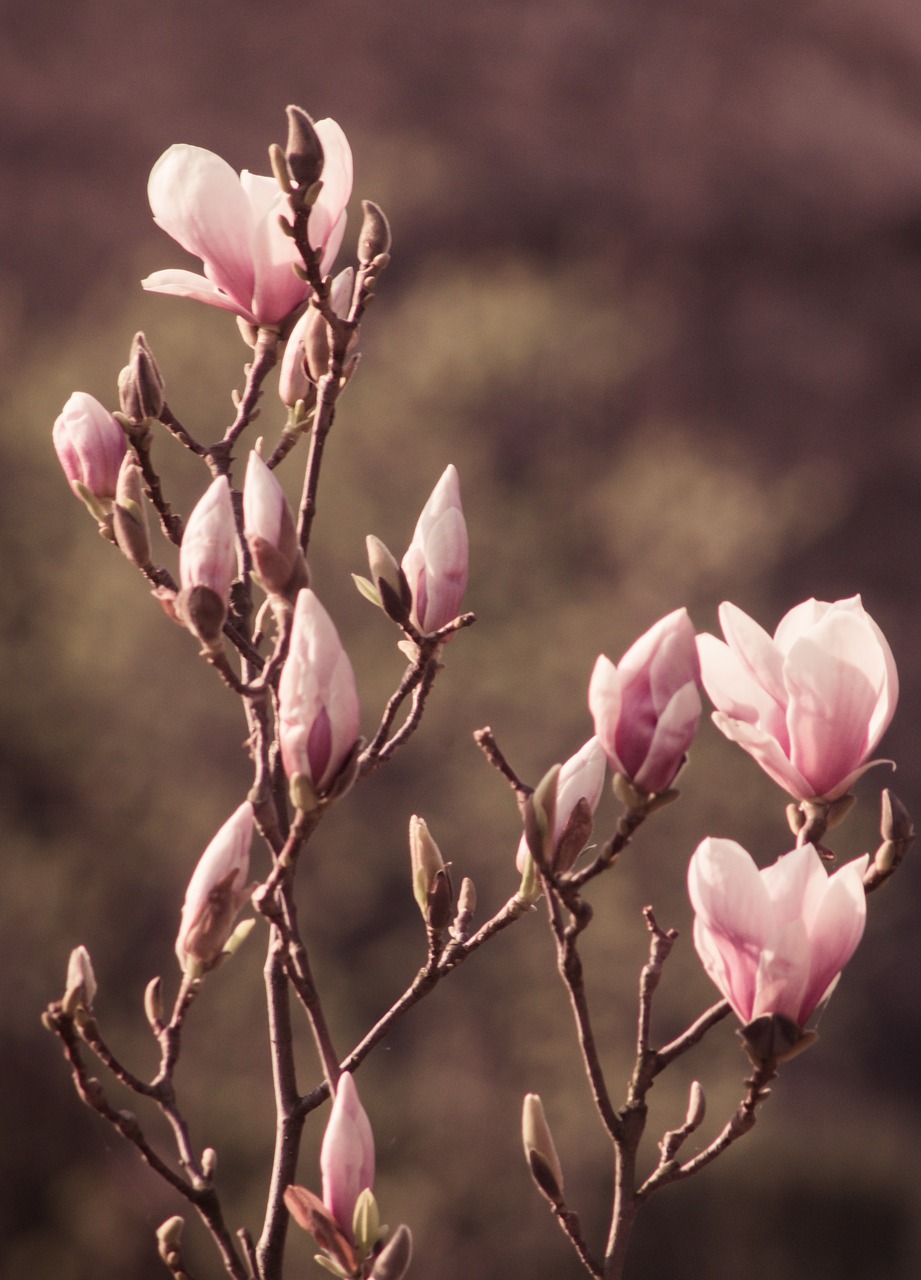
(374, 238)
(393, 1260)
(140, 383)
(304, 150)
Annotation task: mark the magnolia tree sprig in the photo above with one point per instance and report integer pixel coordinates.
(810, 704)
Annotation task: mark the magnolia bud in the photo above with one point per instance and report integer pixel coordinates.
(431, 882)
(393, 1261)
(540, 818)
(374, 237)
(216, 892)
(130, 514)
(389, 580)
(90, 446)
(208, 563)
(140, 383)
(539, 1149)
(80, 988)
(697, 1107)
(271, 533)
(304, 150)
(153, 1004)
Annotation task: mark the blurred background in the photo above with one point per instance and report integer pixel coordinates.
(656, 291)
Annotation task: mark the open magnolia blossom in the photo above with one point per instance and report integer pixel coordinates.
(231, 222)
(647, 708)
(810, 704)
(774, 941)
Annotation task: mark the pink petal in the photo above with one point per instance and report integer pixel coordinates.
(671, 738)
(756, 651)
(831, 699)
(197, 199)
(834, 931)
(337, 166)
(763, 748)
(186, 284)
(604, 702)
(733, 689)
(783, 972)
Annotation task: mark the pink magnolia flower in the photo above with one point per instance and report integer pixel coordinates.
(207, 556)
(810, 704)
(774, 941)
(270, 531)
(317, 698)
(207, 563)
(231, 223)
(347, 1154)
(90, 446)
(647, 708)
(216, 892)
(435, 563)
(581, 778)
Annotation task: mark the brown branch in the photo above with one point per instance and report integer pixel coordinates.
(428, 977)
(199, 1193)
(569, 963)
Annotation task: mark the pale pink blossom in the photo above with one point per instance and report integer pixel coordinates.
(647, 708)
(435, 563)
(231, 223)
(90, 446)
(270, 531)
(347, 1154)
(207, 565)
(318, 706)
(580, 778)
(207, 556)
(774, 941)
(216, 892)
(809, 705)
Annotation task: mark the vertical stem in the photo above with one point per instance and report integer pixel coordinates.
(289, 1123)
(625, 1208)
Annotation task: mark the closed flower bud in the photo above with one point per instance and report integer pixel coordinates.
(306, 357)
(539, 1149)
(647, 708)
(809, 703)
(270, 532)
(208, 563)
(80, 988)
(304, 150)
(374, 237)
(431, 882)
(388, 587)
(216, 892)
(90, 446)
(130, 514)
(392, 1263)
(578, 791)
(347, 1154)
(774, 941)
(317, 698)
(435, 563)
(140, 384)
